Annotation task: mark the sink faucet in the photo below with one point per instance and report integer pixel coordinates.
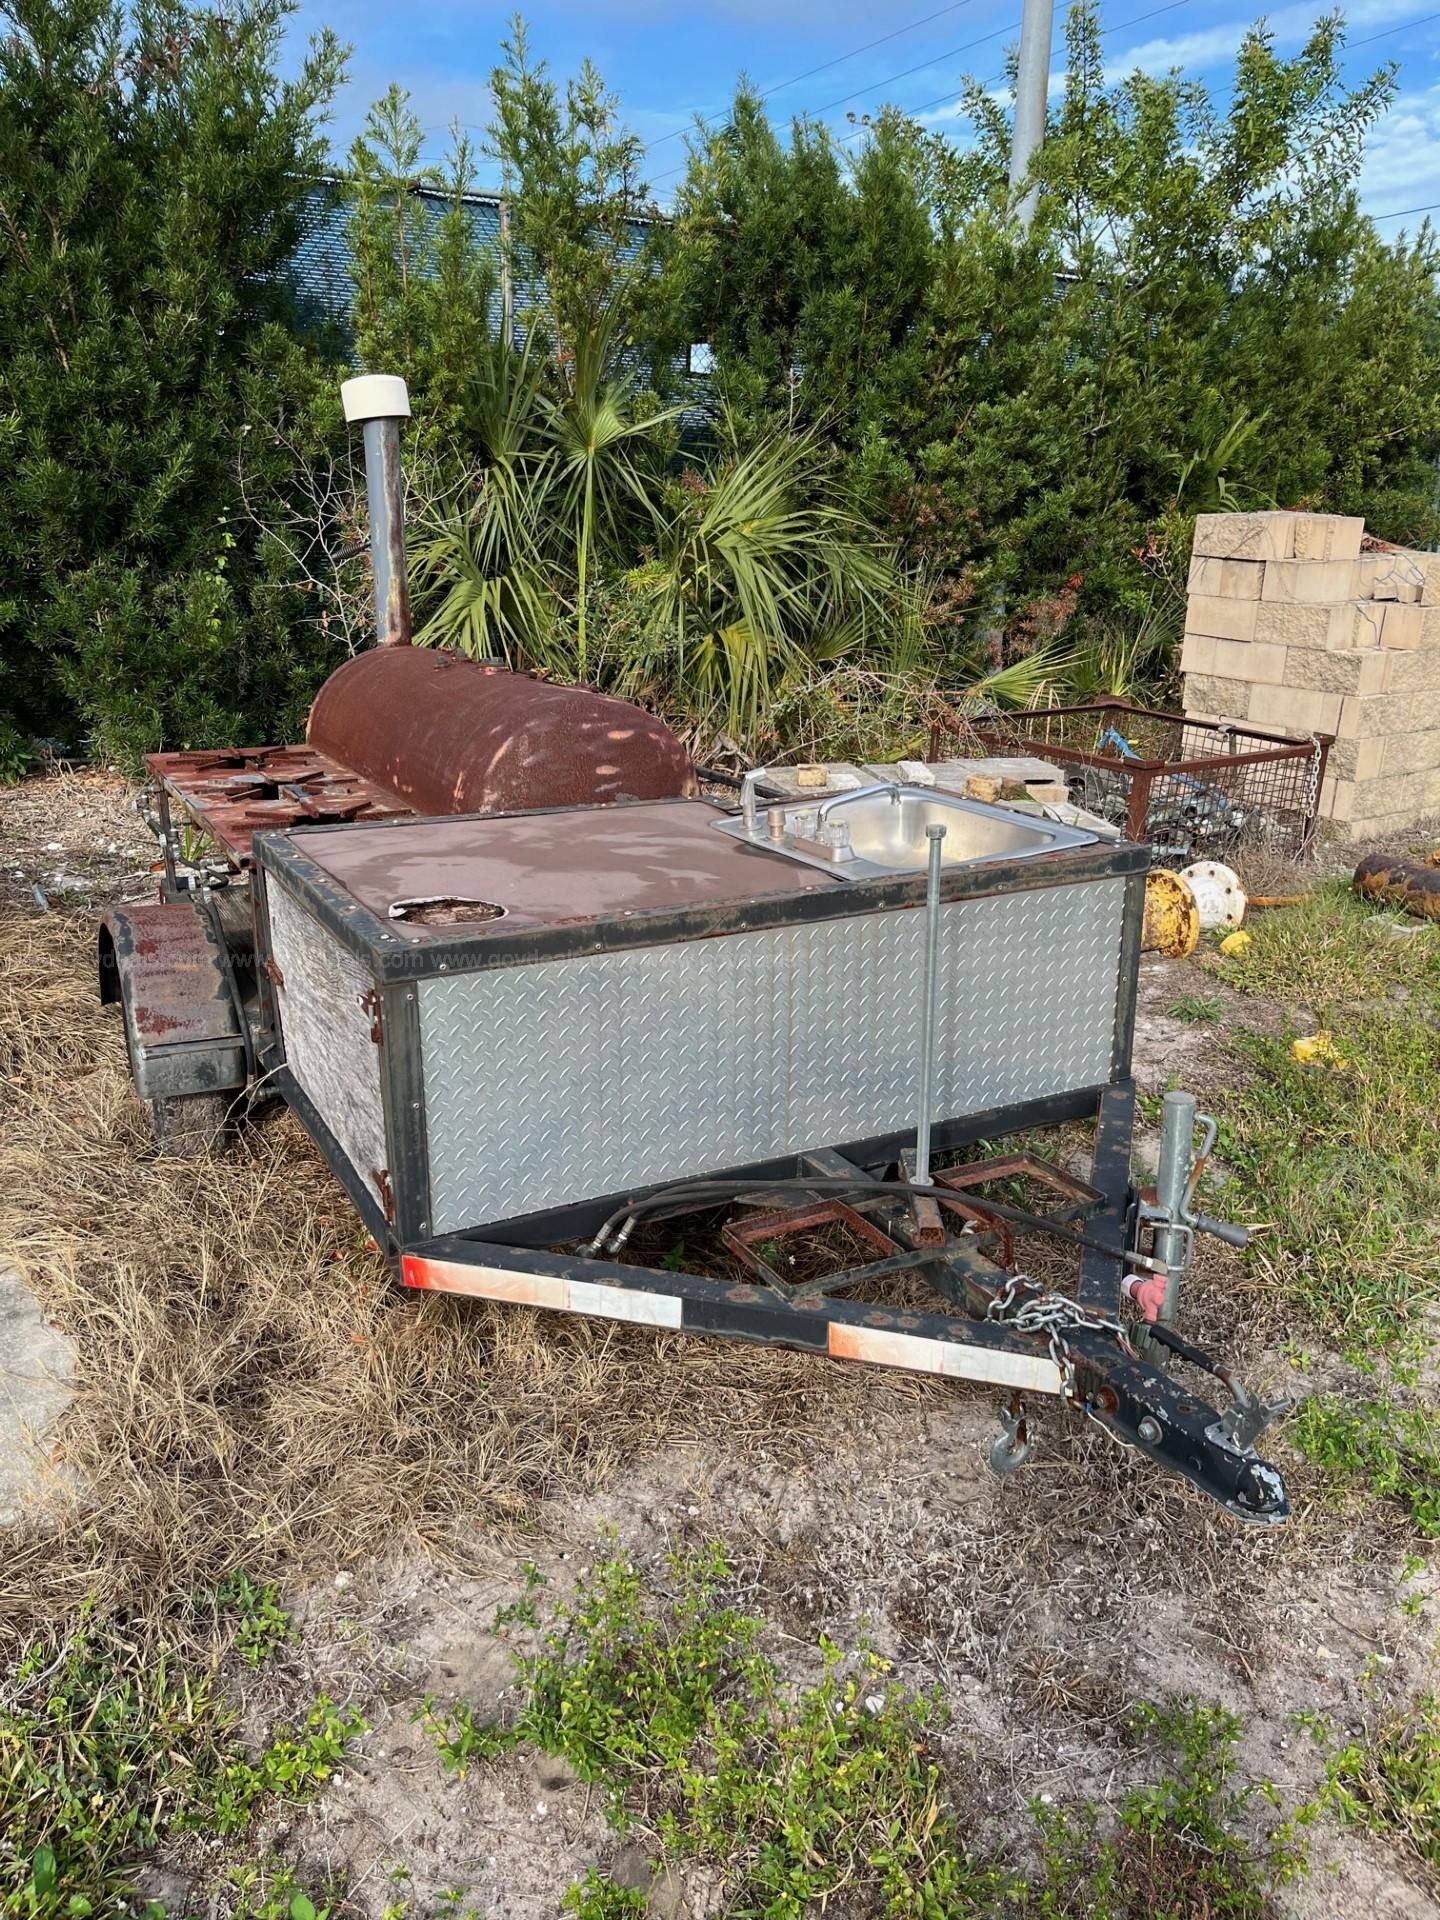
(747, 797)
(892, 787)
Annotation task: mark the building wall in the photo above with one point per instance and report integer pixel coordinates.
(1299, 623)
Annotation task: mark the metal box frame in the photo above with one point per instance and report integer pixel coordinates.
(392, 966)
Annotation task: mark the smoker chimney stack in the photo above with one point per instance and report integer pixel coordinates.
(380, 402)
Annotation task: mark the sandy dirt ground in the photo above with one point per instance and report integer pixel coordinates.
(1039, 1606)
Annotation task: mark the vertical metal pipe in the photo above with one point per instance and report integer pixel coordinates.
(1032, 86)
(385, 495)
(935, 835)
(377, 403)
(1172, 1181)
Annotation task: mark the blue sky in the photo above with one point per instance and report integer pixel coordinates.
(667, 63)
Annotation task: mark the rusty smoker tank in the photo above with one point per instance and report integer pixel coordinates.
(450, 735)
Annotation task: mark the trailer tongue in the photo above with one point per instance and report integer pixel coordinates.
(526, 1028)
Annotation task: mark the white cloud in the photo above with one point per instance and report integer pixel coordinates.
(1402, 160)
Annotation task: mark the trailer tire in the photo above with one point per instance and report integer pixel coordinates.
(189, 1125)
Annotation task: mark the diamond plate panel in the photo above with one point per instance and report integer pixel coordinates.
(326, 1030)
(572, 1078)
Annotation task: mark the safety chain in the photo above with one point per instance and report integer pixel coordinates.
(1055, 1315)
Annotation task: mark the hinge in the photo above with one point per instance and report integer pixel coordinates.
(381, 1177)
(370, 1003)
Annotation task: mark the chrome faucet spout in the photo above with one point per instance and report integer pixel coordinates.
(892, 787)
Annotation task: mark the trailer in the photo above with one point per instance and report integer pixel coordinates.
(534, 997)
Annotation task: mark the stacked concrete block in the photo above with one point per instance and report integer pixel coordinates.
(1296, 624)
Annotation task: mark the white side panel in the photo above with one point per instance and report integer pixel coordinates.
(326, 1032)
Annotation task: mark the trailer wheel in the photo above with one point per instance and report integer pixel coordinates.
(189, 1124)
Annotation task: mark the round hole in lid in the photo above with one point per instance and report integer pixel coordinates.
(445, 910)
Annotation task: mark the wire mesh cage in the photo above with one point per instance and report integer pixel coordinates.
(1195, 789)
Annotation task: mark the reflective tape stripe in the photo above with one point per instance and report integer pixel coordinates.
(879, 1347)
(619, 1303)
(551, 1290)
(876, 1346)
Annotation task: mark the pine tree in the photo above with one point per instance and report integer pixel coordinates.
(155, 179)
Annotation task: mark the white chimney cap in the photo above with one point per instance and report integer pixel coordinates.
(375, 396)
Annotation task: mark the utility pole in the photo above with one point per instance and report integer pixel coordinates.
(1032, 87)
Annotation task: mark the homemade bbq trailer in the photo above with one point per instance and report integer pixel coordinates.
(530, 993)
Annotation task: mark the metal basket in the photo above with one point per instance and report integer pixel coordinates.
(1194, 789)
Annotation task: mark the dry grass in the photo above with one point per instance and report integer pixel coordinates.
(254, 1392)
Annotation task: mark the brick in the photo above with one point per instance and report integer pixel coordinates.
(1400, 626)
(1413, 794)
(1244, 536)
(1350, 623)
(1401, 576)
(1365, 714)
(1292, 710)
(1207, 694)
(1358, 670)
(1417, 672)
(1309, 583)
(1358, 759)
(1261, 665)
(1227, 579)
(1197, 653)
(1365, 576)
(1410, 753)
(1430, 627)
(1221, 619)
(1337, 799)
(1328, 536)
(1415, 712)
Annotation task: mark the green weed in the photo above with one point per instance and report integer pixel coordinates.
(596, 1898)
(798, 1791)
(271, 1891)
(1196, 1008)
(798, 1794)
(104, 1752)
(1179, 1848)
(1324, 953)
(16, 754)
(1344, 1166)
(1389, 1451)
(1389, 1780)
(263, 1623)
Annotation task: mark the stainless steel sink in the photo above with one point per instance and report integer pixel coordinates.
(882, 830)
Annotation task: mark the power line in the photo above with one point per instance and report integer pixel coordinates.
(861, 92)
(1404, 27)
(1404, 213)
(943, 99)
(810, 72)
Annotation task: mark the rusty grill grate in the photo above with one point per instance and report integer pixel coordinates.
(1194, 789)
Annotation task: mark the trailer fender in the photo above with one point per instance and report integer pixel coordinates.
(164, 968)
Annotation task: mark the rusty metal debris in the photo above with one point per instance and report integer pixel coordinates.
(1172, 919)
(1411, 885)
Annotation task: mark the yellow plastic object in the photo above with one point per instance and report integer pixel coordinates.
(1318, 1046)
(1172, 919)
(1234, 944)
